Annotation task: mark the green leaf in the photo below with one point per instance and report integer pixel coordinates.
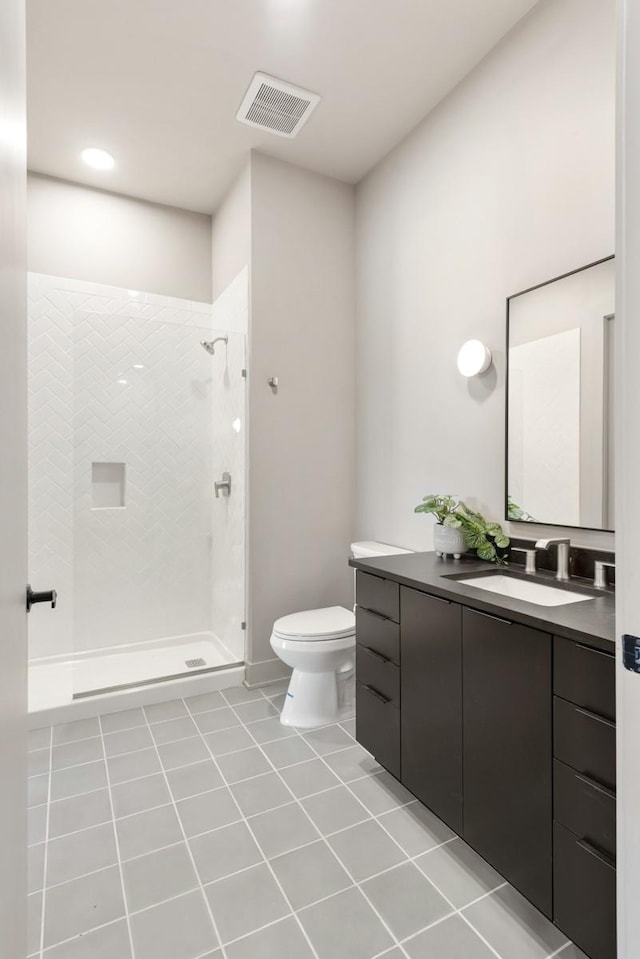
(476, 540)
(452, 521)
(486, 551)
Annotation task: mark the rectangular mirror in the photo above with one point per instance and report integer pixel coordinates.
(560, 384)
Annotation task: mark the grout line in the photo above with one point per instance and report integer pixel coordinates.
(479, 934)
(320, 837)
(256, 699)
(485, 895)
(85, 875)
(324, 839)
(246, 819)
(198, 734)
(46, 851)
(190, 854)
(102, 788)
(558, 952)
(246, 935)
(436, 922)
(411, 858)
(207, 832)
(259, 847)
(394, 938)
(77, 936)
(115, 835)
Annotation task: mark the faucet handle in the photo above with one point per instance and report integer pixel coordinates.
(564, 554)
(530, 557)
(600, 573)
(546, 543)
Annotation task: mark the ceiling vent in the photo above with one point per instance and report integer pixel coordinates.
(276, 106)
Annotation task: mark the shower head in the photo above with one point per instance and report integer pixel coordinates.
(210, 345)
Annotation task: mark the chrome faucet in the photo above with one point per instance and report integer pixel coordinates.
(564, 549)
(600, 573)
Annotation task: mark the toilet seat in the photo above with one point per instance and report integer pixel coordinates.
(313, 625)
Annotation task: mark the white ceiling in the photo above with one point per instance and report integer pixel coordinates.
(158, 83)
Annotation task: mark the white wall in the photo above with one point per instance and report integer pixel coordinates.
(85, 234)
(293, 232)
(302, 440)
(231, 233)
(628, 470)
(508, 183)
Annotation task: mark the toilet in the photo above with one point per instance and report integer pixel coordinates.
(319, 645)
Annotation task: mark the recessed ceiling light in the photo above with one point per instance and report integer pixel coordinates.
(97, 158)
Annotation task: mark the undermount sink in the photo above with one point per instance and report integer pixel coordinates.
(514, 588)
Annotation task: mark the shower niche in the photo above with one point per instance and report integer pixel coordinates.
(108, 485)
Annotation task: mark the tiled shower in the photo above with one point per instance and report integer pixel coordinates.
(131, 422)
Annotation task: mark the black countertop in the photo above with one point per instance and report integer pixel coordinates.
(592, 623)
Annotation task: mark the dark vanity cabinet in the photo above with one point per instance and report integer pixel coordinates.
(378, 669)
(507, 751)
(431, 716)
(584, 799)
(508, 734)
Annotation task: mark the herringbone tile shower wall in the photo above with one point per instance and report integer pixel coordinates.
(119, 377)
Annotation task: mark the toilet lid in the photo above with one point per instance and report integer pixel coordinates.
(332, 622)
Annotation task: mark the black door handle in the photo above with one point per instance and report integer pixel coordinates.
(47, 596)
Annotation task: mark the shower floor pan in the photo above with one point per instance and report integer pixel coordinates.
(147, 663)
(61, 680)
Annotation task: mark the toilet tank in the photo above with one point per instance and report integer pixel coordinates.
(371, 548)
(368, 549)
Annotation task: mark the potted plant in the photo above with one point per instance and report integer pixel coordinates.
(459, 528)
(448, 535)
(489, 540)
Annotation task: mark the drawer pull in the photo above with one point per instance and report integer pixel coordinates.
(591, 649)
(372, 612)
(594, 716)
(374, 692)
(379, 656)
(603, 857)
(438, 599)
(595, 785)
(498, 619)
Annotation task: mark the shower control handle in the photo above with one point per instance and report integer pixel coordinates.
(223, 485)
(46, 596)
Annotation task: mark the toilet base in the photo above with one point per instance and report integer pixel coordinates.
(311, 700)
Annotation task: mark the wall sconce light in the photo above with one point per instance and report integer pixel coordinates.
(474, 358)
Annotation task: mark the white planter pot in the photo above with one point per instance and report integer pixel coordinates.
(448, 541)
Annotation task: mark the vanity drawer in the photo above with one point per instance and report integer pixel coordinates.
(380, 673)
(584, 894)
(585, 742)
(379, 595)
(584, 676)
(378, 727)
(378, 634)
(584, 807)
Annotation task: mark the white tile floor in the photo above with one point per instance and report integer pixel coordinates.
(202, 828)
